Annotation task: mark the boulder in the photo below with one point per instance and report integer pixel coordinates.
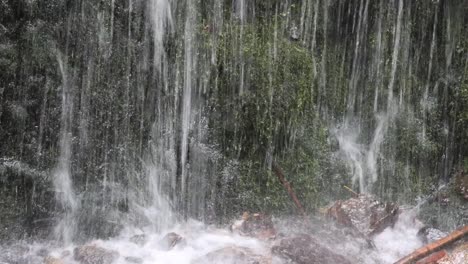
(171, 240)
(52, 260)
(233, 255)
(139, 239)
(256, 225)
(429, 234)
(303, 249)
(134, 260)
(92, 254)
(365, 214)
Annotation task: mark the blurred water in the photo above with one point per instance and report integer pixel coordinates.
(134, 150)
(199, 240)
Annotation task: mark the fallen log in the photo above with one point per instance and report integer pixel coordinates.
(435, 246)
(433, 258)
(279, 173)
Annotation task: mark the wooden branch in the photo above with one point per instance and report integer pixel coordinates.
(279, 173)
(435, 246)
(355, 194)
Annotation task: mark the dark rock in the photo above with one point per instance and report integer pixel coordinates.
(92, 254)
(171, 240)
(134, 260)
(303, 249)
(429, 235)
(233, 255)
(365, 214)
(139, 239)
(256, 225)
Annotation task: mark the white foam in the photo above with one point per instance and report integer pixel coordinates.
(398, 241)
(392, 244)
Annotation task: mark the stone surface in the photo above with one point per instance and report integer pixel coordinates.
(303, 249)
(134, 260)
(365, 214)
(52, 260)
(170, 240)
(429, 234)
(256, 225)
(92, 254)
(232, 255)
(139, 239)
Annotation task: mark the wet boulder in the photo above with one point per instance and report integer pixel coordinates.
(92, 254)
(171, 240)
(52, 260)
(365, 214)
(233, 255)
(303, 249)
(429, 234)
(133, 260)
(256, 225)
(140, 239)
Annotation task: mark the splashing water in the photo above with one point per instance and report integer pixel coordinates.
(398, 241)
(173, 59)
(199, 240)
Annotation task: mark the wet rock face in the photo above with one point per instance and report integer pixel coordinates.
(92, 254)
(171, 240)
(255, 225)
(461, 184)
(233, 255)
(365, 214)
(303, 249)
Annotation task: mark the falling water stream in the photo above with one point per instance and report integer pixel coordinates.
(139, 157)
(62, 176)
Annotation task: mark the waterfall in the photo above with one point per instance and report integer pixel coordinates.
(187, 94)
(161, 22)
(163, 111)
(62, 177)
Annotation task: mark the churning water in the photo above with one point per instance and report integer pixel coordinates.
(201, 239)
